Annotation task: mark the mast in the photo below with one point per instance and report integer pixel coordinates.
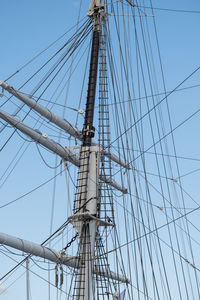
(87, 194)
(88, 129)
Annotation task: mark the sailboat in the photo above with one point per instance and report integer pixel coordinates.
(99, 196)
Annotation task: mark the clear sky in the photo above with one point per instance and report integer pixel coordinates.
(28, 27)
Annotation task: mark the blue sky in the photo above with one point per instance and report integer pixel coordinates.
(27, 27)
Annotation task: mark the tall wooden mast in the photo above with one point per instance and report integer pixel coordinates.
(88, 129)
(87, 195)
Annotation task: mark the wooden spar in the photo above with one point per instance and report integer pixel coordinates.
(56, 148)
(57, 120)
(52, 255)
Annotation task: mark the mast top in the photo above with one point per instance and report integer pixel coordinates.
(94, 5)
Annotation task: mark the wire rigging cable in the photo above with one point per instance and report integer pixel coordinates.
(154, 240)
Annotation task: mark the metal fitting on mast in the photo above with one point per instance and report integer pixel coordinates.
(96, 12)
(95, 5)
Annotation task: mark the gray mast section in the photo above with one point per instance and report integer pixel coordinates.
(53, 255)
(60, 122)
